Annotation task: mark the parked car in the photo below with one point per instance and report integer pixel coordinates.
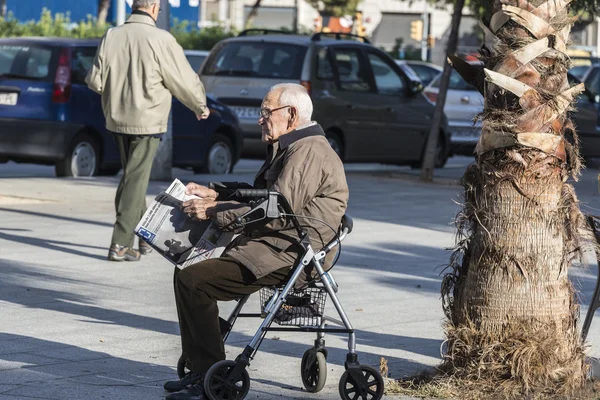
(424, 70)
(585, 118)
(196, 58)
(49, 116)
(463, 103)
(370, 109)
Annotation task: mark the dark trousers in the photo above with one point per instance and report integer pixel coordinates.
(197, 290)
(137, 153)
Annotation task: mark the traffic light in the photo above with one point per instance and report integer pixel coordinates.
(416, 30)
(430, 41)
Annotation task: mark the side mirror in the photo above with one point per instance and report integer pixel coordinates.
(416, 87)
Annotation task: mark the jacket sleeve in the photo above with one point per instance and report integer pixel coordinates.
(94, 76)
(179, 77)
(299, 182)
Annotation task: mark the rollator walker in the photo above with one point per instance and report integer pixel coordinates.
(293, 310)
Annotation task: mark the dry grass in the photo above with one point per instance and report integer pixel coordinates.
(447, 387)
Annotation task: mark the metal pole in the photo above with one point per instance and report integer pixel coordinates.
(3, 8)
(121, 11)
(223, 11)
(162, 165)
(425, 34)
(295, 23)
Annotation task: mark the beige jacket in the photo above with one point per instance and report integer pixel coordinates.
(137, 69)
(304, 168)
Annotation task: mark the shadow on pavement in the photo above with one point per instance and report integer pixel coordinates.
(60, 217)
(56, 245)
(15, 288)
(36, 368)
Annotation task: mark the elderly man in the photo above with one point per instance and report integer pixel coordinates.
(302, 166)
(137, 68)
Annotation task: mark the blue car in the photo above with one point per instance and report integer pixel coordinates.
(49, 116)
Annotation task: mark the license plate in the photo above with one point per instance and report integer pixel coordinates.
(8, 99)
(246, 112)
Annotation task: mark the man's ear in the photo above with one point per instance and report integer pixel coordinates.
(293, 114)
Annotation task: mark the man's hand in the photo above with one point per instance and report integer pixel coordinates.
(196, 208)
(204, 115)
(200, 191)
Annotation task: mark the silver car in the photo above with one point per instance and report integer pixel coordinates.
(425, 71)
(463, 103)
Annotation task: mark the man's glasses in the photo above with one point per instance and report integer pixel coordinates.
(266, 113)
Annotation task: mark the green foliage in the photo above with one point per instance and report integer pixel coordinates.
(194, 39)
(60, 25)
(336, 8)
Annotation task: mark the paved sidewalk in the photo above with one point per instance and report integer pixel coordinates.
(75, 326)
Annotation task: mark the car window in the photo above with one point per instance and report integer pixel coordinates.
(25, 61)
(387, 79)
(82, 60)
(426, 74)
(592, 82)
(352, 75)
(195, 61)
(579, 71)
(257, 59)
(456, 82)
(324, 67)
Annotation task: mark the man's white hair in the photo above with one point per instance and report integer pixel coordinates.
(143, 3)
(295, 95)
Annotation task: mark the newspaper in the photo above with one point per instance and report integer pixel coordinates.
(180, 239)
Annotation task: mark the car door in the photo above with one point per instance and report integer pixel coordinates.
(405, 120)
(361, 119)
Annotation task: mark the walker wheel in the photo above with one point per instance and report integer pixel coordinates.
(181, 369)
(220, 384)
(363, 383)
(313, 370)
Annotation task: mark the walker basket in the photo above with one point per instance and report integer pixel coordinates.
(302, 307)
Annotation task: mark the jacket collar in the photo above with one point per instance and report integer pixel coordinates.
(312, 129)
(141, 17)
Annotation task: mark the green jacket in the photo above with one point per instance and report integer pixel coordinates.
(137, 69)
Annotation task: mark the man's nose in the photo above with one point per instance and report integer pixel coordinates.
(261, 120)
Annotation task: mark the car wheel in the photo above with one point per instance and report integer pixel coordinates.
(335, 141)
(82, 158)
(441, 155)
(219, 158)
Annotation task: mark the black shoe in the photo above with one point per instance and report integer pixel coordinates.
(192, 392)
(191, 378)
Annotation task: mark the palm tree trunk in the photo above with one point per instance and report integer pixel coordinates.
(511, 308)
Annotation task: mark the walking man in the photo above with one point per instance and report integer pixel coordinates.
(137, 69)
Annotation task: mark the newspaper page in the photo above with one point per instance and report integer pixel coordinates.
(180, 239)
